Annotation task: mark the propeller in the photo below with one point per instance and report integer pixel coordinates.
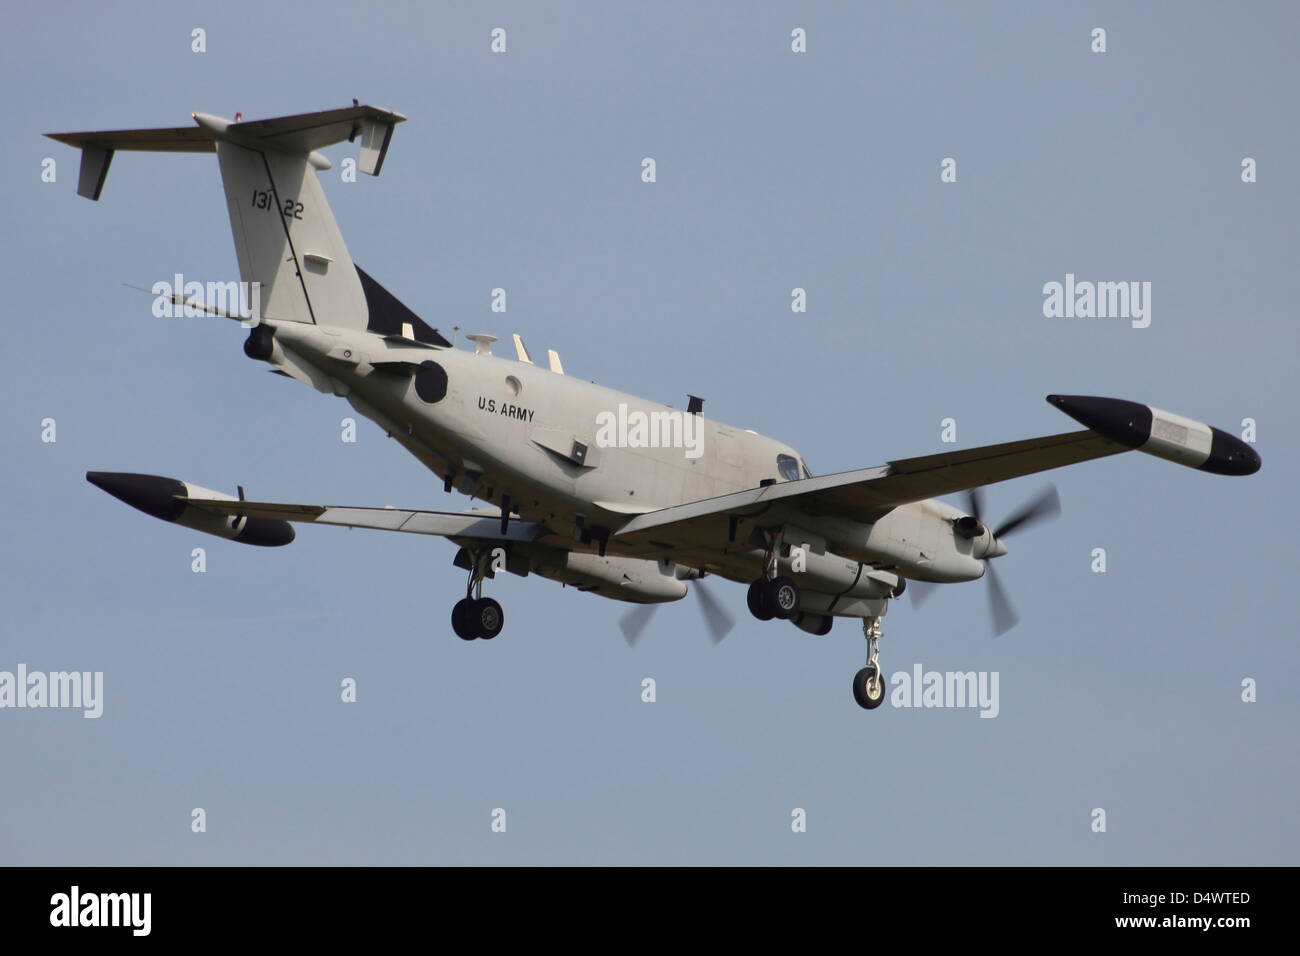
(1042, 507)
(716, 617)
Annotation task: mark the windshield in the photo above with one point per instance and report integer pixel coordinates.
(788, 467)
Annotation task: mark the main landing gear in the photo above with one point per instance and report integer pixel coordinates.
(475, 616)
(773, 595)
(777, 596)
(869, 683)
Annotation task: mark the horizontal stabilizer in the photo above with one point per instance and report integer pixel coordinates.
(301, 134)
(177, 139)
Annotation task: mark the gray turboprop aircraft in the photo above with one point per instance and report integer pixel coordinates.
(616, 495)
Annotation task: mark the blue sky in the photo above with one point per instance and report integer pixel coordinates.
(775, 170)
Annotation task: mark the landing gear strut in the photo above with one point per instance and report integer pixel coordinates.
(869, 683)
(475, 616)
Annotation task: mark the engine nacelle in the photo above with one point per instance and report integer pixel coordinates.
(921, 540)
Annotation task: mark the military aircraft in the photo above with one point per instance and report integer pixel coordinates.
(613, 494)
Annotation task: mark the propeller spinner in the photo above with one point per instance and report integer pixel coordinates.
(1042, 507)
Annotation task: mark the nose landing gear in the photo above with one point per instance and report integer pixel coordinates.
(775, 595)
(869, 683)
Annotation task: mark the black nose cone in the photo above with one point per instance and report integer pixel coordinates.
(1229, 455)
(1128, 423)
(152, 494)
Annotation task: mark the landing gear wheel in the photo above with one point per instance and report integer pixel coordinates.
(783, 597)
(487, 618)
(869, 687)
(757, 599)
(460, 620)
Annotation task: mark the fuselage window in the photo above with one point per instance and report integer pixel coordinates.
(788, 467)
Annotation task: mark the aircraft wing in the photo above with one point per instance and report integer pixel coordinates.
(268, 523)
(482, 524)
(1114, 425)
(868, 493)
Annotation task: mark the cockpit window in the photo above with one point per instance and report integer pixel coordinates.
(788, 467)
(806, 472)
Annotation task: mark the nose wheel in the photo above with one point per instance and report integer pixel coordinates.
(869, 688)
(869, 683)
(474, 616)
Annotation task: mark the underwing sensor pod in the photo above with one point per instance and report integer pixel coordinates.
(167, 498)
(645, 518)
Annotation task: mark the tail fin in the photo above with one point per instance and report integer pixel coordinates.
(286, 238)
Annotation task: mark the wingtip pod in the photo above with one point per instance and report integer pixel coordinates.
(1161, 433)
(165, 498)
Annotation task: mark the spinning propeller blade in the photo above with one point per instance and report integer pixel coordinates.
(921, 591)
(1045, 505)
(1002, 613)
(634, 622)
(717, 618)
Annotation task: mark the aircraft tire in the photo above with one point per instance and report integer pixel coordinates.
(862, 692)
(488, 618)
(758, 602)
(460, 620)
(783, 597)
